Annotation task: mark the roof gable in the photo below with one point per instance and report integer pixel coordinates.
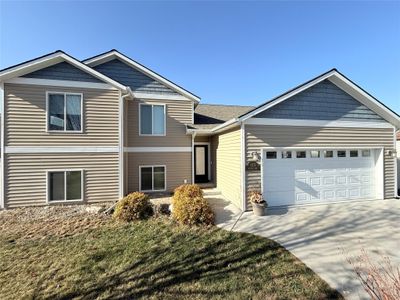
(136, 80)
(114, 54)
(62, 71)
(54, 59)
(341, 82)
(322, 101)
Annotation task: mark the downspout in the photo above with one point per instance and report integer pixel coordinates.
(193, 137)
(122, 141)
(2, 131)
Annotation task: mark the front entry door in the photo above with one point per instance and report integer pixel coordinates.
(201, 163)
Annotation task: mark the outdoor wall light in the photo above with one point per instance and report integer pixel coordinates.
(255, 156)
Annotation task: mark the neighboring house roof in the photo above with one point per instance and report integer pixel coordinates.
(51, 59)
(339, 80)
(114, 54)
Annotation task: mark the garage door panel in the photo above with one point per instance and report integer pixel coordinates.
(315, 180)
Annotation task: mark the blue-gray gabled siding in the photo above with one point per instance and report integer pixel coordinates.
(133, 78)
(323, 101)
(62, 71)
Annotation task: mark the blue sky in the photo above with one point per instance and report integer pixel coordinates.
(225, 52)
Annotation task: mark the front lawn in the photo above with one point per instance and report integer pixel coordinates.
(89, 256)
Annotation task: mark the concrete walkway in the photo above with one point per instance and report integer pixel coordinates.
(323, 236)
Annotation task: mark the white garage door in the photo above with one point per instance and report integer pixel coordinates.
(318, 176)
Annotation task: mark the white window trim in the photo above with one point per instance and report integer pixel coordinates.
(48, 201)
(152, 118)
(152, 178)
(65, 131)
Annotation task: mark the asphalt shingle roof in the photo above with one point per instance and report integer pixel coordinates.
(207, 116)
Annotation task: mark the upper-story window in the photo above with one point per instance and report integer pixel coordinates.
(64, 112)
(152, 119)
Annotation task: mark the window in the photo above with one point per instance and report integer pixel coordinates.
(152, 178)
(366, 153)
(328, 153)
(301, 154)
(353, 153)
(341, 153)
(286, 154)
(64, 185)
(271, 155)
(64, 112)
(152, 119)
(315, 153)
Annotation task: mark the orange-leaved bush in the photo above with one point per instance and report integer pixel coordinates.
(190, 207)
(134, 206)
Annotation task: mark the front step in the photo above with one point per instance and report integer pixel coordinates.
(210, 192)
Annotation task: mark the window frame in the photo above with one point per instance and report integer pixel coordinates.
(152, 118)
(65, 112)
(65, 185)
(298, 151)
(152, 178)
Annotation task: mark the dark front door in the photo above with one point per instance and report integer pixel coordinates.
(201, 163)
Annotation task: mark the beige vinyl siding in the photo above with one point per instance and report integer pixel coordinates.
(178, 167)
(202, 139)
(25, 176)
(258, 137)
(25, 122)
(179, 113)
(228, 168)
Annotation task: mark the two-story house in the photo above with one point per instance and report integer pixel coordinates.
(94, 130)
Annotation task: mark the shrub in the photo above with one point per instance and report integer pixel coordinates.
(190, 207)
(135, 206)
(380, 279)
(187, 190)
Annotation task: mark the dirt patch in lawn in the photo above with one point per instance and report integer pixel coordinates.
(40, 222)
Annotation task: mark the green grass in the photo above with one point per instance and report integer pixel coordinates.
(152, 259)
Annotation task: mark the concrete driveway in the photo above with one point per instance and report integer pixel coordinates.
(322, 236)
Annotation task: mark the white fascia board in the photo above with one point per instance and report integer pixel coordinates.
(63, 83)
(157, 149)
(286, 96)
(148, 96)
(316, 123)
(114, 54)
(356, 92)
(61, 149)
(31, 66)
(53, 59)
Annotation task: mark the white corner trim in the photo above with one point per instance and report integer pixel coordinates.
(243, 166)
(148, 96)
(2, 202)
(316, 123)
(62, 83)
(61, 149)
(110, 55)
(157, 149)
